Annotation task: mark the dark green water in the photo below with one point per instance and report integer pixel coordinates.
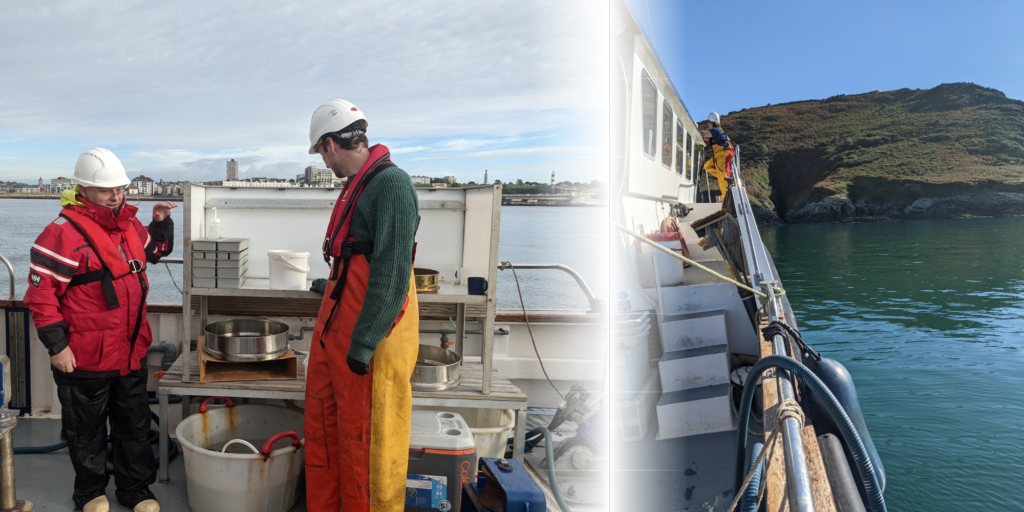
(928, 316)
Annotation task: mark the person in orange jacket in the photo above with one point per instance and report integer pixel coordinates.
(358, 409)
(87, 293)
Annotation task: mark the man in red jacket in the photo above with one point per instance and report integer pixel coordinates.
(87, 294)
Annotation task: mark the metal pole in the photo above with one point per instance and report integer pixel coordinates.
(8, 500)
(798, 479)
(8, 496)
(10, 274)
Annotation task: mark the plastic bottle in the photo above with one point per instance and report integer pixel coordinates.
(213, 230)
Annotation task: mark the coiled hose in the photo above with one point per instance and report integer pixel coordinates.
(835, 410)
(549, 450)
(749, 502)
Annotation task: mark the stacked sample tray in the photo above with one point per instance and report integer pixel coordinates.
(220, 263)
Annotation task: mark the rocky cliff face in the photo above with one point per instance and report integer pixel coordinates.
(953, 150)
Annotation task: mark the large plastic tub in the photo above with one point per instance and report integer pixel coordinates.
(240, 479)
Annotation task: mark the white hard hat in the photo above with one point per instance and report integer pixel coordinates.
(99, 167)
(331, 117)
(714, 118)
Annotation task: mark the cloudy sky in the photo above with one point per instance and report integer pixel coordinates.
(177, 88)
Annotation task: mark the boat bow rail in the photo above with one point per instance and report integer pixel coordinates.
(762, 275)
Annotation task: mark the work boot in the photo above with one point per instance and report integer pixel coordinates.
(147, 506)
(99, 504)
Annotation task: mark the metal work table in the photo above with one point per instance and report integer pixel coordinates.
(503, 395)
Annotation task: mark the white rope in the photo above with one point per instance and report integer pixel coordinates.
(668, 251)
(172, 279)
(530, 330)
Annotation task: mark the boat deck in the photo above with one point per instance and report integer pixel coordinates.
(683, 474)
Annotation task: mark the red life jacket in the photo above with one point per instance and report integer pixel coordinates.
(341, 217)
(115, 263)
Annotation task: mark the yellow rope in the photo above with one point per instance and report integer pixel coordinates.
(666, 250)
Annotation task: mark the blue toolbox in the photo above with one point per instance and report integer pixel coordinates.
(502, 485)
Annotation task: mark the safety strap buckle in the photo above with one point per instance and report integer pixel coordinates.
(135, 266)
(347, 249)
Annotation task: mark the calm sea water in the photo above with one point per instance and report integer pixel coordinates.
(571, 236)
(928, 316)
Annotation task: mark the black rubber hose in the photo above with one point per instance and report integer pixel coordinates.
(835, 409)
(170, 400)
(552, 482)
(22, 450)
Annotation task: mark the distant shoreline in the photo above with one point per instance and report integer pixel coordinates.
(5, 195)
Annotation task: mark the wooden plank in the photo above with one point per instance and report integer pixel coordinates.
(262, 306)
(776, 479)
(469, 388)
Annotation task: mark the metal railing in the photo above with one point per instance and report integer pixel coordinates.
(596, 304)
(798, 479)
(10, 274)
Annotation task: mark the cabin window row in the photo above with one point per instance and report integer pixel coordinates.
(680, 152)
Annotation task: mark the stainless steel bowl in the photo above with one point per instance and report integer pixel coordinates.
(436, 369)
(246, 339)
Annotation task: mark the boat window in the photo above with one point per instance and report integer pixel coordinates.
(689, 157)
(666, 134)
(679, 147)
(649, 98)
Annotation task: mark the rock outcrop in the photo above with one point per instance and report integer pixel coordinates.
(983, 203)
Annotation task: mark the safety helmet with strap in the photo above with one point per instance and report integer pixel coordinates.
(332, 117)
(714, 117)
(99, 167)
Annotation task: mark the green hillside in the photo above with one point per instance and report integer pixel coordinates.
(892, 147)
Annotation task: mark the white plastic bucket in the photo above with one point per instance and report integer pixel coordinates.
(288, 269)
(241, 480)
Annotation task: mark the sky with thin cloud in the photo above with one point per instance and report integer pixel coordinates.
(177, 88)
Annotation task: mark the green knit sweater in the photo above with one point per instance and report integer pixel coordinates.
(387, 213)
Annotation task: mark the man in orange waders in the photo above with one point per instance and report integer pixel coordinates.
(358, 395)
(720, 163)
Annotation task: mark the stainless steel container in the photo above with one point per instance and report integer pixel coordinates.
(436, 369)
(246, 339)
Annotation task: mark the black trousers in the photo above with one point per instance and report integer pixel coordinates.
(88, 402)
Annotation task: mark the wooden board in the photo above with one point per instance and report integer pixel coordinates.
(469, 388)
(212, 369)
(262, 306)
(776, 479)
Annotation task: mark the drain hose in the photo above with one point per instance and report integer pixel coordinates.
(835, 409)
(549, 450)
(749, 503)
(20, 450)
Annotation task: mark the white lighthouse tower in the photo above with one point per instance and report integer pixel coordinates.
(485, 177)
(552, 180)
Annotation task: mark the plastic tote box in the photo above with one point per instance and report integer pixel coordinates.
(670, 270)
(441, 456)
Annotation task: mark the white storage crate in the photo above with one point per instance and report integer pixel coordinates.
(630, 418)
(629, 368)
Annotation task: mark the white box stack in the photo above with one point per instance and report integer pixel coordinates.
(220, 263)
